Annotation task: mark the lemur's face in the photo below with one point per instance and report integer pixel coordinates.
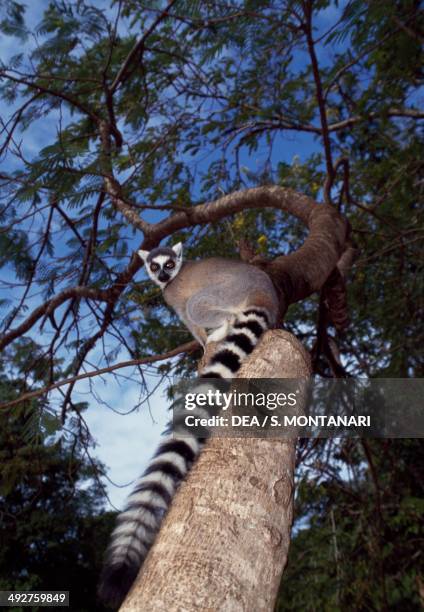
(163, 263)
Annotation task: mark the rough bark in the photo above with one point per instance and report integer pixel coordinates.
(224, 544)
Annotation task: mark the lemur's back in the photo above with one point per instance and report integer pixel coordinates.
(233, 282)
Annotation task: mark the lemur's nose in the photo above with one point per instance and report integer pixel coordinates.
(163, 277)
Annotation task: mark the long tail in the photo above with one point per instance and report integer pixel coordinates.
(140, 521)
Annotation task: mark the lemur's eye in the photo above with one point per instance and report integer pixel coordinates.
(154, 267)
(169, 265)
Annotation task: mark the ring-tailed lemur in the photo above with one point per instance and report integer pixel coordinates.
(238, 302)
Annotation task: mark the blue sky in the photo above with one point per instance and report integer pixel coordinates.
(125, 443)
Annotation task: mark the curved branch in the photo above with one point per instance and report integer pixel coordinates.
(303, 276)
(296, 275)
(272, 196)
(48, 307)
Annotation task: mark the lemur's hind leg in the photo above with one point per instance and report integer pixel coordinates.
(199, 334)
(210, 308)
(197, 331)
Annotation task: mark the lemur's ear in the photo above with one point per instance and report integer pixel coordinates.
(178, 249)
(143, 255)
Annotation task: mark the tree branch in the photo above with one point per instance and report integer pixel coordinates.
(48, 307)
(253, 481)
(296, 275)
(137, 49)
(307, 26)
(188, 347)
(112, 185)
(411, 113)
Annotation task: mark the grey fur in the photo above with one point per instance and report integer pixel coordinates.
(209, 293)
(160, 251)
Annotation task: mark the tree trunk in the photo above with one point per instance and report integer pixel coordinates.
(224, 543)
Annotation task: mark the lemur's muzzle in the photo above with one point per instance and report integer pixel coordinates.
(163, 277)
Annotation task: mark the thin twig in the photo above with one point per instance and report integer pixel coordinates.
(188, 347)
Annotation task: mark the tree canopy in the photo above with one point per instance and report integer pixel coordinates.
(127, 123)
(150, 110)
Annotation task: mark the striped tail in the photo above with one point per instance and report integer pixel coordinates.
(140, 521)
